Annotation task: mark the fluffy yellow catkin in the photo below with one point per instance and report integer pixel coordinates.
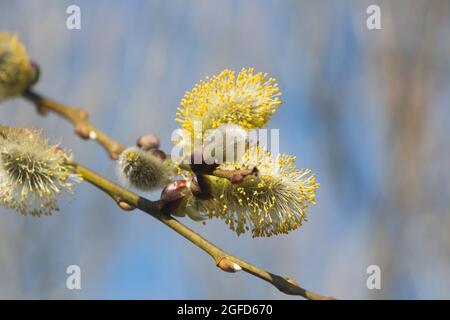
(274, 201)
(16, 71)
(247, 100)
(32, 172)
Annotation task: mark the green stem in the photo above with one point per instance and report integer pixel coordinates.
(223, 259)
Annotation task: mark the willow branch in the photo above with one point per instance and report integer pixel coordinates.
(80, 120)
(223, 259)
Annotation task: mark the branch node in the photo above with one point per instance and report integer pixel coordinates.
(82, 131)
(82, 114)
(228, 266)
(124, 205)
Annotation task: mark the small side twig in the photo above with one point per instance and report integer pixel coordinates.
(80, 120)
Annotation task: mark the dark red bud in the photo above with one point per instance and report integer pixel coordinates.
(175, 190)
(148, 142)
(172, 196)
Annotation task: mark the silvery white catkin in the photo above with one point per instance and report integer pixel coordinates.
(143, 170)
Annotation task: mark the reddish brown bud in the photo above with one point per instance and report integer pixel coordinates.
(175, 190)
(82, 131)
(148, 142)
(228, 266)
(172, 196)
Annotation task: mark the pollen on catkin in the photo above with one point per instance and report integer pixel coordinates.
(16, 71)
(273, 201)
(143, 170)
(247, 100)
(32, 172)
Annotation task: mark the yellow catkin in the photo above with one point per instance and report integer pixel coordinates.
(32, 172)
(273, 202)
(16, 71)
(247, 100)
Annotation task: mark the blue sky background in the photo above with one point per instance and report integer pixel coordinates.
(367, 111)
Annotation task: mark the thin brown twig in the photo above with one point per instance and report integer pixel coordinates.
(225, 261)
(80, 120)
